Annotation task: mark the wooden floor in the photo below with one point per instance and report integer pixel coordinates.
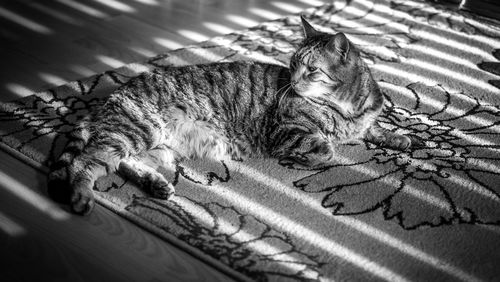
(41, 242)
(48, 43)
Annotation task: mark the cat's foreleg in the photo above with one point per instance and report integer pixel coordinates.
(144, 173)
(310, 151)
(386, 138)
(146, 177)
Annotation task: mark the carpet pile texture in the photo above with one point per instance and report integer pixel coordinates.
(429, 214)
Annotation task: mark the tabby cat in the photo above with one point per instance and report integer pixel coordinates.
(228, 110)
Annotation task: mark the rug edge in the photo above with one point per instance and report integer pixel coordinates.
(23, 158)
(162, 235)
(178, 243)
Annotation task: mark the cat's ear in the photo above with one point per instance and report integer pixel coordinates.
(309, 30)
(340, 44)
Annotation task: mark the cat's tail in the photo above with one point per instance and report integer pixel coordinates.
(58, 179)
(95, 149)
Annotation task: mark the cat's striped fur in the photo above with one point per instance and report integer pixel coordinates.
(228, 110)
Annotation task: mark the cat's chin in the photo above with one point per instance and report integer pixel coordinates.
(309, 94)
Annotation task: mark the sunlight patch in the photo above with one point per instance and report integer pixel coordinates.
(52, 79)
(193, 35)
(27, 23)
(290, 8)
(246, 22)
(36, 200)
(222, 29)
(112, 62)
(10, 227)
(56, 14)
(83, 8)
(116, 5)
(19, 90)
(265, 13)
(167, 43)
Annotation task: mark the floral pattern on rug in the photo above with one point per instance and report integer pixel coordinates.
(452, 181)
(240, 241)
(456, 158)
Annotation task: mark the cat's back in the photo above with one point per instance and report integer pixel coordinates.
(229, 81)
(229, 89)
(224, 77)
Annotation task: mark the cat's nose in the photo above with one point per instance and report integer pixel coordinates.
(294, 83)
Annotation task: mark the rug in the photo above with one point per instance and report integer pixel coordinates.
(429, 214)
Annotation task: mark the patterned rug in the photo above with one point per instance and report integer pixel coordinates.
(430, 214)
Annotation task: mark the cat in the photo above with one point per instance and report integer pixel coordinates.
(232, 110)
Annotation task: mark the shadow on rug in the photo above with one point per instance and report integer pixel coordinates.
(428, 214)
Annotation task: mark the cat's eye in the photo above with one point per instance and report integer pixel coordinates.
(312, 68)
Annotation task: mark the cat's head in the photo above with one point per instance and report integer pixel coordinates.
(324, 65)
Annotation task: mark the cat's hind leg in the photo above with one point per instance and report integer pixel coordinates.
(143, 172)
(84, 170)
(78, 167)
(58, 180)
(99, 157)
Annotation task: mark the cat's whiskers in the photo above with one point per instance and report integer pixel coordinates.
(283, 87)
(287, 88)
(287, 92)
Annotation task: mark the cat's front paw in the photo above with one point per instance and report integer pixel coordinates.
(400, 142)
(416, 142)
(162, 189)
(82, 201)
(299, 161)
(406, 142)
(295, 158)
